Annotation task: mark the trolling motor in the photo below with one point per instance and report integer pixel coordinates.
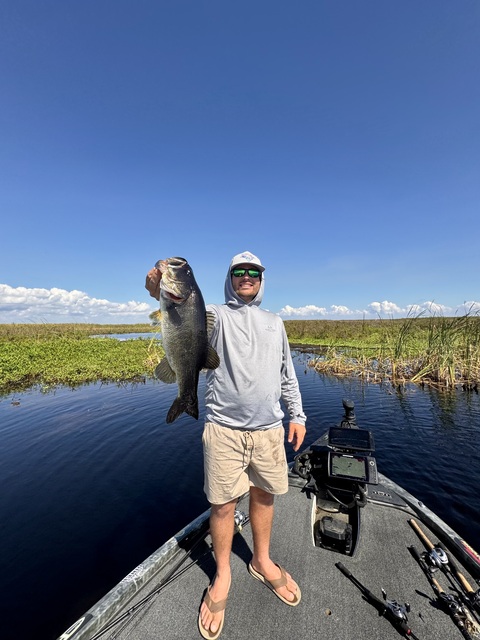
(338, 467)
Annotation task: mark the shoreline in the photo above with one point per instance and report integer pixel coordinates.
(436, 351)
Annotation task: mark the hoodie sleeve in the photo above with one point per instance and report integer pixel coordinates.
(290, 387)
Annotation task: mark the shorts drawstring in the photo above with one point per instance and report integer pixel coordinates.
(248, 446)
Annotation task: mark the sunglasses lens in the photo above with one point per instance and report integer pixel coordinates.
(239, 273)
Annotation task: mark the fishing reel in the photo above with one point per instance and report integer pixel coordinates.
(460, 614)
(394, 612)
(398, 612)
(435, 559)
(240, 520)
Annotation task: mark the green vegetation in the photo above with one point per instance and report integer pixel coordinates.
(52, 354)
(440, 351)
(444, 352)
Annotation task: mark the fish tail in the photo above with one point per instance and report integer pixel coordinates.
(182, 405)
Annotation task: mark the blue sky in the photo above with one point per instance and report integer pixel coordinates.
(337, 140)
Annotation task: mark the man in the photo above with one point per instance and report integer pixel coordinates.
(243, 438)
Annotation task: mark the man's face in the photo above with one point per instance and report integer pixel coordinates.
(245, 286)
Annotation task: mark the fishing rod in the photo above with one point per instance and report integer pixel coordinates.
(449, 602)
(395, 613)
(438, 558)
(472, 595)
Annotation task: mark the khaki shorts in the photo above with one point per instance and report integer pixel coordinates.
(235, 460)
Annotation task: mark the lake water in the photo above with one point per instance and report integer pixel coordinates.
(93, 480)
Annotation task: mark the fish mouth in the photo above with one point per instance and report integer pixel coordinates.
(172, 295)
(170, 263)
(170, 283)
(169, 290)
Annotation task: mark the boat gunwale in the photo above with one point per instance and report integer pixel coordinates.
(104, 611)
(456, 544)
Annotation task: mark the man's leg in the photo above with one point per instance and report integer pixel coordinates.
(261, 520)
(221, 529)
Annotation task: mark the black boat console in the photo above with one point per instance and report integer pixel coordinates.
(338, 467)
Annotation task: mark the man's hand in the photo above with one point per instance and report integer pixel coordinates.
(152, 282)
(296, 434)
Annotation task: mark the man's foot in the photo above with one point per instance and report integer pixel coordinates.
(212, 610)
(280, 582)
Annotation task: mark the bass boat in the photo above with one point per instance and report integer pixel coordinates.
(371, 560)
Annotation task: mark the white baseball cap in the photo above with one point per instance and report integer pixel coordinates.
(246, 258)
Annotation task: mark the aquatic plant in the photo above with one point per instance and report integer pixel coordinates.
(436, 350)
(55, 354)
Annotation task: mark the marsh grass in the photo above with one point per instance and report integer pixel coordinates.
(452, 353)
(49, 355)
(440, 351)
(71, 330)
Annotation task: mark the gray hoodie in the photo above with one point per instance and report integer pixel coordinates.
(256, 368)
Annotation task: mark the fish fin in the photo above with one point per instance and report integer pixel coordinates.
(179, 406)
(209, 322)
(212, 360)
(156, 316)
(164, 372)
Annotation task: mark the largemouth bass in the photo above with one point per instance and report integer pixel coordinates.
(185, 327)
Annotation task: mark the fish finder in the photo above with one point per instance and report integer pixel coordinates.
(350, 466)
(348, 457)
(351, 439)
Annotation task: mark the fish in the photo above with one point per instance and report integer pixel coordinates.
(185, 328)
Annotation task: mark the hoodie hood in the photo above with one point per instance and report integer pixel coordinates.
(231, 298)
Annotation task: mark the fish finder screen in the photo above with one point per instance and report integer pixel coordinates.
(352, 439)
(347, 466)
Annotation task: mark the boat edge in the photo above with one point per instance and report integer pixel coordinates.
(459, 547)
(103, 611)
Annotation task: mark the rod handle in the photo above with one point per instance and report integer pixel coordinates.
(465, 584)
(460, 577)
(344, 570)
(436, 585)
(420, 533)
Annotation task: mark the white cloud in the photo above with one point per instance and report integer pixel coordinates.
(431, 308)
(385, 309)
(22, 305)
(312, 311)
(341, 310)
(469, 307)
(304, 312)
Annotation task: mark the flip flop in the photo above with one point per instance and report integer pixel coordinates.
(215, 607)
(273, 585)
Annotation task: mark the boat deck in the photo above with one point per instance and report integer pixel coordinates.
(332, 606)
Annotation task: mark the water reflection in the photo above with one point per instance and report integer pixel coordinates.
(94, 479)
(150, 335)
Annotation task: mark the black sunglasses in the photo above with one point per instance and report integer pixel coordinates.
(239, 273)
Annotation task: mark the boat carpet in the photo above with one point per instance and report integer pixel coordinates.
(332, 607)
